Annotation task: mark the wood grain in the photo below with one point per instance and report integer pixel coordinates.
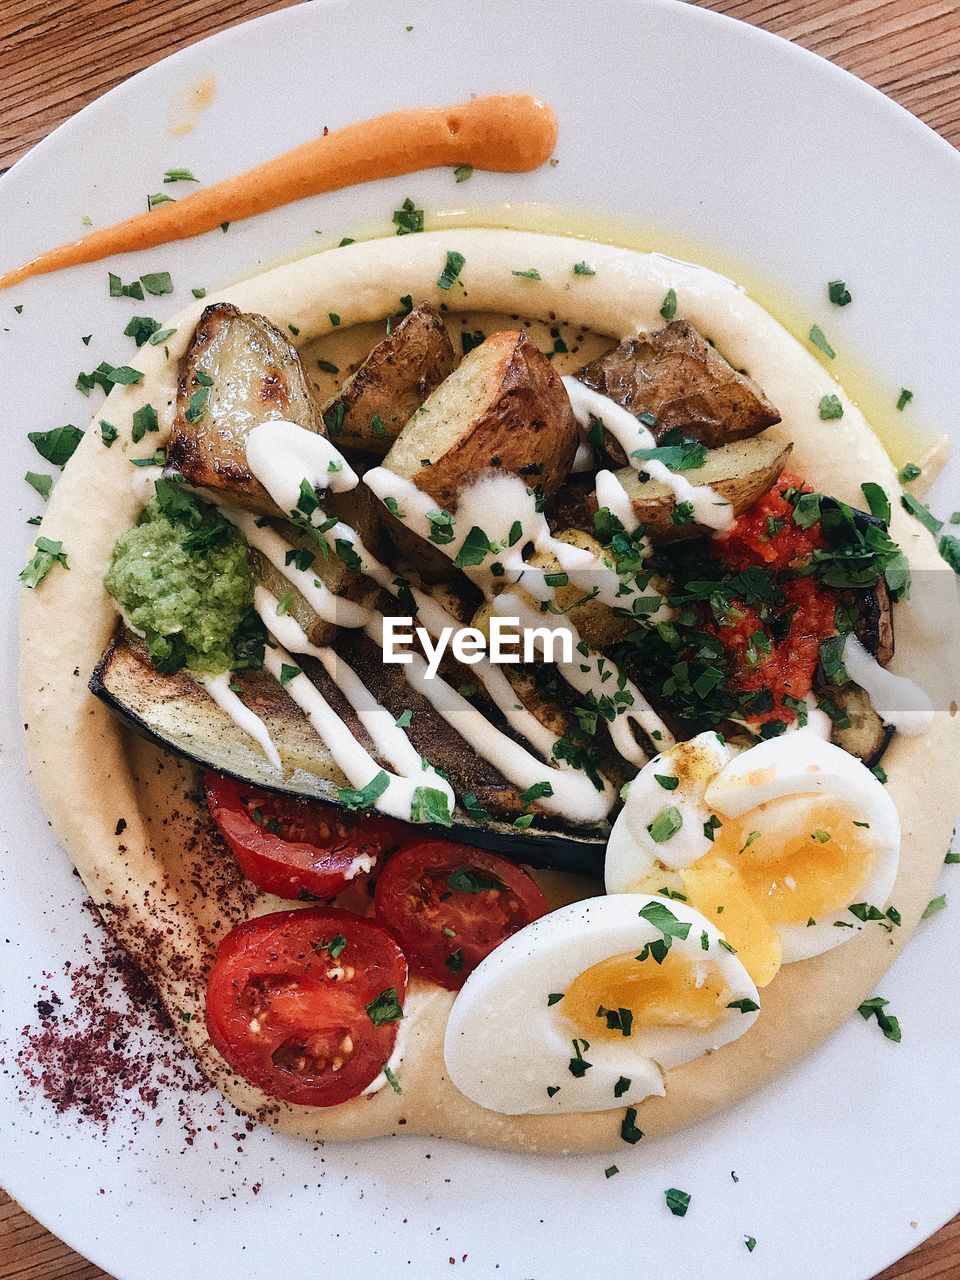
(58, 55)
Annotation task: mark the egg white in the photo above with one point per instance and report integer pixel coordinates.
(797, 764)
(505, 1045)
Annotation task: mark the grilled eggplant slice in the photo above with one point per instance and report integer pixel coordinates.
(176, 713)
(861, 731)
(373, 405)
(684, 383)
(239, 371)
(740, 473)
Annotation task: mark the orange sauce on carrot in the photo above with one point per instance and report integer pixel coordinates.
(505, 133)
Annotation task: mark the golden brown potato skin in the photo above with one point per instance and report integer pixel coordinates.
(684, 382)
(740, 473)
(392, 383)
(503, 407)
(256, 375)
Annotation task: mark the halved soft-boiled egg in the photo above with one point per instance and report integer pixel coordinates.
(580, 1010)
(788, 847)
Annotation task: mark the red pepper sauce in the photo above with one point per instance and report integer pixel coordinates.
(766, 536)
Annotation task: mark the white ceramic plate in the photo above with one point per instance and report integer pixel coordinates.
(670, 116)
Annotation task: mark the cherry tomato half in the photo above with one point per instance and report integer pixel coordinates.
(449, 905)
(305, 1004)
(292, 847)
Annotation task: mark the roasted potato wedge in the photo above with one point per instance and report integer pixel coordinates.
(239, 371)
(503, 407)
(740, 473)
(370, 409)
(596, 622)
(684, 382)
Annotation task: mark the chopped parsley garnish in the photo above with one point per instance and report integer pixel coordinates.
(678, 1202)
(745, 1005)
(909, 471)
(363, 798)
(610, 1171)
(430, 805)
(346, 551)
(584, 269)
(42, 483)
(451, 270)
(385, 1008)
(552, 1090)
(667, 781)
(621, 1087)
(408, 218)
(475, 548)
(920, 511)
(818, 338)
(441, 527)
(472, 805)
(662, 919)
(56, 446)
(391, 1079)
(666, 824)
(46, 555)
(108, 432)
(463, 172)
(157, 282)
(628, 1127)
(158, 198)
(179, 175)
(578, 1065)
(140, 328)
(751, 1241)
(682, 454)
(538, 791)
(838, 293)
(877, 500)
(403, 719)
(904, 398)
(118, 289)
(830, 408)
(531, 273)
(288, 672)
(197, 406)
(454, 961)
(469, 880)
(949, 547)
(554, 998)
(376, 422)
(327, 366)
(933, 906)
(144, 420)
(888, 1024)
(668, 308)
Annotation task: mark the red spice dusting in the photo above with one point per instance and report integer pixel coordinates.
(766, 536)
(107, 1047)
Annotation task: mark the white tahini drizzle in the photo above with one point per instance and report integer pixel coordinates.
(574, 797)
(897, 701)
(709, 509)
(219, 690)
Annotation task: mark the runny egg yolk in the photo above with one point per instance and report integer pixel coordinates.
(676, 993)
(786, 862)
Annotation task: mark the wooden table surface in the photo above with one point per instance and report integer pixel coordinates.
(57, 55)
